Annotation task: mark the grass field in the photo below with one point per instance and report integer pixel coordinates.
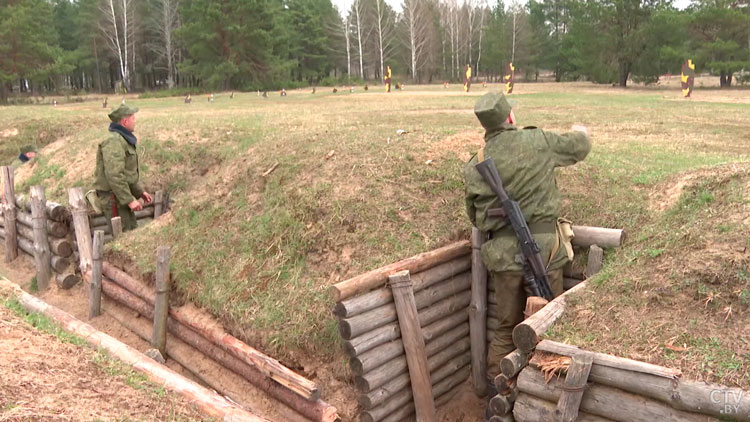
(350, 194)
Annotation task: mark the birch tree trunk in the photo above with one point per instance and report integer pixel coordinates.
(348, 48)
(358, 17)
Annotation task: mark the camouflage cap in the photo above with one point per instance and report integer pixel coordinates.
(121, 112)
(492, 109)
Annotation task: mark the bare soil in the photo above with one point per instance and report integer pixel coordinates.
(47, 379)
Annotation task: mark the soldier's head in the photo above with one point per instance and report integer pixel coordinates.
(124, 116)
(27, 153)
(493, 110)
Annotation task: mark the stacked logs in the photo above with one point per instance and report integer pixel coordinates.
(368, 324)
(58, 235)
(207, 337)
(621, 389)
(528, 333)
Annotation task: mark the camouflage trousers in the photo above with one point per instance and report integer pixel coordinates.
(127, 217)
(511, 302)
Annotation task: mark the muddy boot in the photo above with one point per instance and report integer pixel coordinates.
(491, 392)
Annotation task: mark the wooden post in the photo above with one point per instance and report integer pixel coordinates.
(161, 307)
(575, 383)
(82, 228)
(478, 314)
(116, 227)
(595, 262)
(9, 209)
(158, 204)
(41, 243)
(411, 334)
(95, 288)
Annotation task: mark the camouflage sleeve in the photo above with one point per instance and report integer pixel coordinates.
(137, 189)
(568, 148)
(470, 195)
(113, 157)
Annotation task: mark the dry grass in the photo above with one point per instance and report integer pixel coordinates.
(260, 252)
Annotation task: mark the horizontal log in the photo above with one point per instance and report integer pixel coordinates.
(380, 394)
(317, 411)
(384, 373)
(527, 334)
(533, 409)
(505, 385)
(60, 247)
(443, 391)
(375, 357)
(513, 362)
(376, 298)
(58, 264)
(267, 365)
(660, 383)
(433, 319)
(503, 405)
(376, 278)
(362, 323)
(504, 418)
(607, 402)
(206, 400)
(66, 281)
(98, 220)
(54, 228)
(585, 237)
(53, 210)
(404, 395)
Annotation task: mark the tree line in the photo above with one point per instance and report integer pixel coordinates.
(121, 45)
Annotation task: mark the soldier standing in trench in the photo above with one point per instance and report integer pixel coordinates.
(117, 183)
(526, 160)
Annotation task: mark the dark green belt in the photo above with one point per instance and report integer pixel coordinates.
(536, 228)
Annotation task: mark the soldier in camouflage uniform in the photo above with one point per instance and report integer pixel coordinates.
(117, 175)
(27, 154)
(526, 160)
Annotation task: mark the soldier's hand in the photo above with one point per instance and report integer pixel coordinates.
(135, 205)
(580, 128)
(147, 198)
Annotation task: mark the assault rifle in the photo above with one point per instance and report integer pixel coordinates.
(535, 278)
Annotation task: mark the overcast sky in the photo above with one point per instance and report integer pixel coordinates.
(344, 5)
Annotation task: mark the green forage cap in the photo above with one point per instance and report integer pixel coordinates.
(492, 110)
(121, 112)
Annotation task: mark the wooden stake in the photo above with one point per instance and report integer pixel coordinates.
(161, 307)
(596, 258)
(9, 210)
(116, 227)
(478, 314)
(95, 288)
(411, 334)
(42, 253)
(82, 228)
(575, 383)
(158, 203)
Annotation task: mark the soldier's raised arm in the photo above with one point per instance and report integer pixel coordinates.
(571, 147)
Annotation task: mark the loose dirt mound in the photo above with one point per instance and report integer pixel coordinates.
(666, 195)
(462, 145)
(45, 379)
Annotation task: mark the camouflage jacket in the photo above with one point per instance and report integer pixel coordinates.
(526, 160)
(117, 169)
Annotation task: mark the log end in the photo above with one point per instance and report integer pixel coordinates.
(67, 281)
(525, 338)
(345, 329)
(356, 366)
(362, 384)
(339, 310)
